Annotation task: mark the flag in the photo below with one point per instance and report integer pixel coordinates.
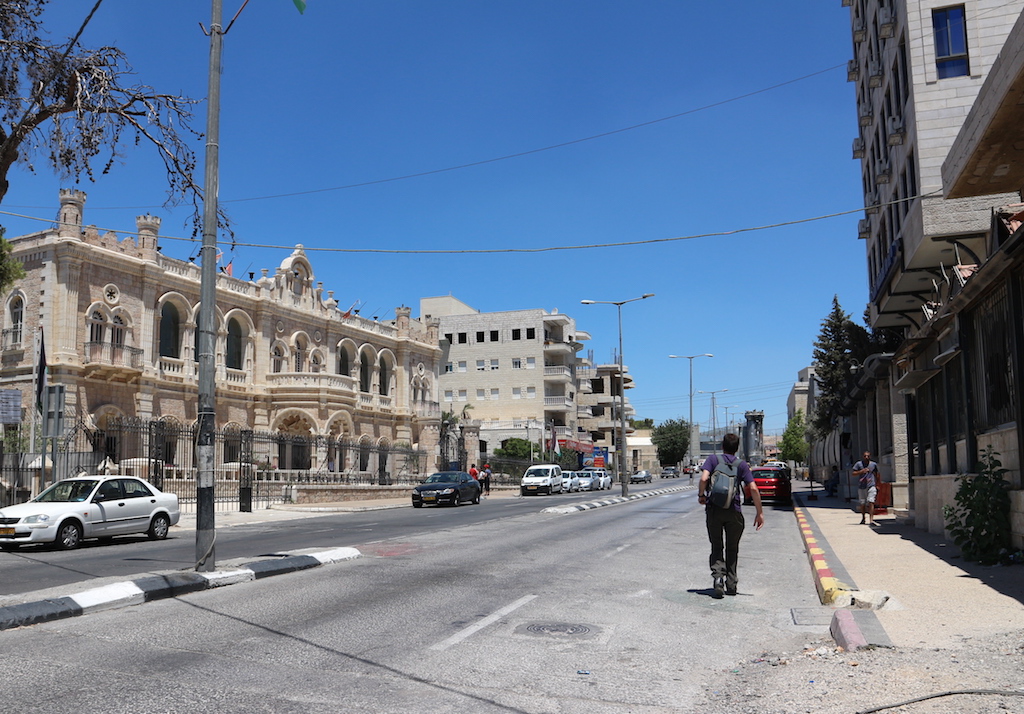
(300, 5)
(229, 268)
(41, 372)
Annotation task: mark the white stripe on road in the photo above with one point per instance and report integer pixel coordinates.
(618, 550)
(463, 634)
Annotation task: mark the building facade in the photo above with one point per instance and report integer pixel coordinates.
(515, 373)
(937, 251)
(119, 320)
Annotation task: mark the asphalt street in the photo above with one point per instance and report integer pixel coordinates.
(603, 610)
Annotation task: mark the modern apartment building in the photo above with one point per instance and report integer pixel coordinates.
(119, 320)
(516, 372)
(926, 409)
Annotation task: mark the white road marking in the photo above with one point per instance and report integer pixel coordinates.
(472, 629)
(618, 550)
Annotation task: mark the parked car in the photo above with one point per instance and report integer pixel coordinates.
(588, 480)
(452, 487)
(83, 507)
(570, 481)
(542, 478)
(773, 483)
(640, 477)
(603, 479)
(670, 472)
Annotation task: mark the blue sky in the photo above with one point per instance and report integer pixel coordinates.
(359, 92)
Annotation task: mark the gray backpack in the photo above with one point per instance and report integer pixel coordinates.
(723, 483)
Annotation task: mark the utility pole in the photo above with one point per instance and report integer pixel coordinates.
(205, 444)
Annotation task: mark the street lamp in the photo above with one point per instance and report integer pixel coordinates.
(727, 409)
(689, 446)
(714, 412)
(623, 479)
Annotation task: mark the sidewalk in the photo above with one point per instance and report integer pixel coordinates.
(925, 594)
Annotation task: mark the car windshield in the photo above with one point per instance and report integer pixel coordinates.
(441, 478)
(67, 492)
(539, 473)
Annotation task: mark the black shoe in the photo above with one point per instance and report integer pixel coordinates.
(730, 591)
(719, 588)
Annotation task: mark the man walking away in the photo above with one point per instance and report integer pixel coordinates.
(727, 524)
(867, 486)
(486, 479)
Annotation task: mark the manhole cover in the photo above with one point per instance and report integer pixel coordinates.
(558, 629)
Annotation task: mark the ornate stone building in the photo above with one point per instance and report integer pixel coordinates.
(120, 324)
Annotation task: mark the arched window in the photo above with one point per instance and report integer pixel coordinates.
(385, 378)
(97, 327)
(170, 331)
(300, 354)
(316, 363)
(236, 347)
(344, 364)
(17, 310)
(117, 333)
(277, 359)
(365, 373)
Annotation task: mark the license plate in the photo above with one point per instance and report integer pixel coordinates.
(6, 531)
(429, 498)
(531, 488)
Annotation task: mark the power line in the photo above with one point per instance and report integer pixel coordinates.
(506, 157)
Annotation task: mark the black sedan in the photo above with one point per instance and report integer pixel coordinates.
(452, 487)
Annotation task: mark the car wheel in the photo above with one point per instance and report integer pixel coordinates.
(160, 527)
(456, 500)
(522, 492)
(69, 535)
(417, 504)
(476, 498)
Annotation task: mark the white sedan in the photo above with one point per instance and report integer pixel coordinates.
(74, 509)
(570, 482)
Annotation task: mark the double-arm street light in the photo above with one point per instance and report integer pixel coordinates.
(714, 411)
(623, 478)
(690, 444)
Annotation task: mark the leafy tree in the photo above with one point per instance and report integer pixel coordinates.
(794, 439)
(516, 448)
(65, 106)
(642, 423)
(672, 437)
(10, 270)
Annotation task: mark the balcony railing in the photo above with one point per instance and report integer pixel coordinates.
(558, 371)
(113, 355)
(12, 337)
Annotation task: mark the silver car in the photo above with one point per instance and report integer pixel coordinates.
(570, 481)
(74, 509)
(588, 480)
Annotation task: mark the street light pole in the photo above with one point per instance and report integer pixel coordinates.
(623, 479)
(689, 445)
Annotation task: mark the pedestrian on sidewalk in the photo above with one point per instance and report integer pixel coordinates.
(486, 479)
(725, 525)
(867, 486)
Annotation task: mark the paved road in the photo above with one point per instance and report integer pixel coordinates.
(41, 567)
(605, 610)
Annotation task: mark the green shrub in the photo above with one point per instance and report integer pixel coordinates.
(980, 521)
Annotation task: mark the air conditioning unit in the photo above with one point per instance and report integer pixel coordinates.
(886, 23)
(897, 131)
(871, 202)
(852, 71)
(865, 113)
(882, 172)
(874, 73)
(858, 148)
(860, 32)
(864, 228)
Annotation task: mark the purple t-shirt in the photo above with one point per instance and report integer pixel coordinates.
(743, 473)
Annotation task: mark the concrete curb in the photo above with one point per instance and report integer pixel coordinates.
(848, 627)
(163, 585)
(611, 501)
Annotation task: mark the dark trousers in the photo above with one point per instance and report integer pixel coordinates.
(725, 528)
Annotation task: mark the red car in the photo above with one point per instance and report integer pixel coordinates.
(773, 483)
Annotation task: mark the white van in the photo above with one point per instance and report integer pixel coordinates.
(543, 478)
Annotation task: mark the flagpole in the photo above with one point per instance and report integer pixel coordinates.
(35, 387)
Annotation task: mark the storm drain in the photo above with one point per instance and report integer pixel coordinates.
(560, 630)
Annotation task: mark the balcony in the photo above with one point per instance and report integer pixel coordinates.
(557, 373)
(12, 338)
(558, 404)
(109, 361)
(558, 347)
(311, 385)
